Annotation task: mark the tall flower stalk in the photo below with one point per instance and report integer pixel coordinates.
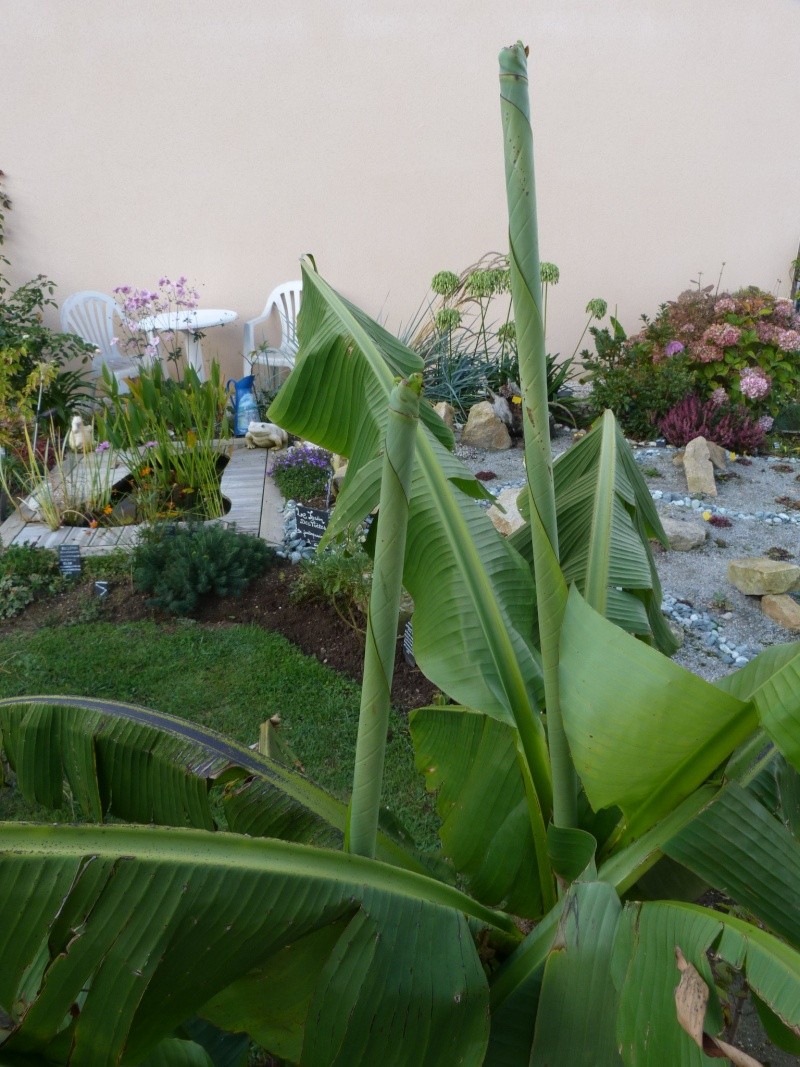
(526, 292)
(384, 606)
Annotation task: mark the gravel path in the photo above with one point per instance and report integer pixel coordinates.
(697, 594)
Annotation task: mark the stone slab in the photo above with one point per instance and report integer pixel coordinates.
(759, 576)
(782, 609)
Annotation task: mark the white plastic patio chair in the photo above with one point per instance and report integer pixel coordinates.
(285, 300)
(97, 318)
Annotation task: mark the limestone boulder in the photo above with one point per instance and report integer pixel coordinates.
(684, 536)
(718, 456)
(446, 413)
(759, 576)
(506, 522)
(698, 468)
(485, 430)
(782, 609)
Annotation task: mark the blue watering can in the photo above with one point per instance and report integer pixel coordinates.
(243, 402)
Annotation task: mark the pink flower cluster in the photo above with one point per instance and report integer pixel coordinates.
(765, 423)
(725, 305)
(143, 303)
(788, 340)
(754, 383)
(722, 334)
(718, 397)
(706, 353)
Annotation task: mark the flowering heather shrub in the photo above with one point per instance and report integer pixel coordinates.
(303, 472)
(727, 425)
(722, 522)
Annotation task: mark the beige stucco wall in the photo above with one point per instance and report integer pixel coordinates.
(222, 140)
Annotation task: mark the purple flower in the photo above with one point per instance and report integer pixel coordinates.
(672, 348)
(151, 444)
(103, 446)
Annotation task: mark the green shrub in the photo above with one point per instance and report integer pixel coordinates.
(303, 472)
(341, 577)
(181, 565)
(626, 381)
(26, 573)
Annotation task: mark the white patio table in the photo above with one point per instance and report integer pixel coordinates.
(191, 324)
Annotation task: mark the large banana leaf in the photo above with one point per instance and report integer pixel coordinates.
(646, 975)
(145, 766)
(737, 846)
(606, 519)
(648, 744)
(473, 764)
(112, 936)
(644, 732)
(575, 1022)
(472, 593)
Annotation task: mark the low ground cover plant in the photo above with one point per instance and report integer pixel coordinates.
(180, 564)
(342, 577)
(303, 472)
(26, 573)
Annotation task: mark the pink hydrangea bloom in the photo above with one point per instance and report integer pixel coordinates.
(754, 383)
(718, 397)
(784, 309)
(672, 348)
(765, 423)
(788, 340)
(768, 332)
(706, 353)
(722, 334)
(724, 305)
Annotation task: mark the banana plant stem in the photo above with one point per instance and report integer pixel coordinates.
(381, 642)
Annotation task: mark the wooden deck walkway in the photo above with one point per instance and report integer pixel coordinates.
(256, 508)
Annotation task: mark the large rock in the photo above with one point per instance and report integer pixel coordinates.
(684, 536)
(446, 413)
(757, 575)
(782, 609)
(698, 468)
(510, 520)
(716, 453)
(718, 456)
(484, 429)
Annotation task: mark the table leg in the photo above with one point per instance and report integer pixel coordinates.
(194, 353)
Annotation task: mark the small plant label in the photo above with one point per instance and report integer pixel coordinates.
(408, 645)
(311, 523)
(101, 588)
(69, 560)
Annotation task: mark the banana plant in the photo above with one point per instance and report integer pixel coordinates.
(584, 782)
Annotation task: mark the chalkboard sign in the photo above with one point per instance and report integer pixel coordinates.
(101, 588)
(69, 560)
(408, 645)
(311, 523)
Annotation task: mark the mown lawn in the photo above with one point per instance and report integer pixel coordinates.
(230, 679)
